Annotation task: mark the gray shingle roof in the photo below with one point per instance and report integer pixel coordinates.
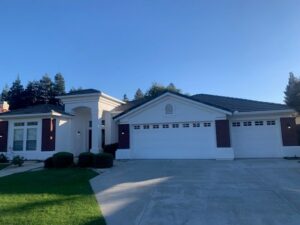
(225, 103)
(83, 92)
(238, 104)
(36, 109)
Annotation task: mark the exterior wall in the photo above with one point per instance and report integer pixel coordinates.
(62, 141)
(183, 111)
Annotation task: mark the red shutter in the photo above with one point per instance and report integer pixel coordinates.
(223, 134)
(48, 134)
(3, 136)
(124, 136)
(289, 132)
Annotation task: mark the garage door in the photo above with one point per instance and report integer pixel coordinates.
(256, 139)
(184, 140)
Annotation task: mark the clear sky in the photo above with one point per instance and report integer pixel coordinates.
(227, 47)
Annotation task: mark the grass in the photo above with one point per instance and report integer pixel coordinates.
(3, 165)
(49, 197)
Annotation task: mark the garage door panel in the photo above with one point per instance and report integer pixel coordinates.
(256, 141)
(173, 142)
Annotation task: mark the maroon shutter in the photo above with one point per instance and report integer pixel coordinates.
(289, 132)
(124, 136)
(3, 136)
(48, 134)
(223, 134)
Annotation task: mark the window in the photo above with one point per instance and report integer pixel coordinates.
(103, 122)
(236, 124)
(185, 125)
(32, 123)
(155, 126)
(259, 123)
(196, 124)
(18, 139)
(90, 124)
(146, 127)
(136, 127)
(247, 123)
(271, 123)
(206, 124)
(175, 125)
(31, 141)
(165, 125)
(25, 136)
(169, 109)
(19, 124)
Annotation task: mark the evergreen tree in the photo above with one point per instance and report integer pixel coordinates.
(125, 98)
(32, 93)
(138, 94)
(172, 87)
(15, 95)
(46, 89)
(59, 85)
(4, 94)
(292, 92)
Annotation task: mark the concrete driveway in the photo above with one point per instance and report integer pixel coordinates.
(200, 192)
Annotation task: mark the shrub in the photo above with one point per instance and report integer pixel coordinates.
(111, 149)
(48, 163)
(18, 160)
(103, 160)
(3, 158)
(85, 159)
(63, 159)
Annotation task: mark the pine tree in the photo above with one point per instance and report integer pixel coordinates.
(4, 93)
(15, 95)
(125, 98)
(138, 94)
(32, 93)
(172, 87)
(46, 89)
(292, 92)
(59, 85)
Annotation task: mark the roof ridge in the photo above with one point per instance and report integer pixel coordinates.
(244, 99)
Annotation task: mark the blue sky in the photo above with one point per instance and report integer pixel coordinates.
(226, 47)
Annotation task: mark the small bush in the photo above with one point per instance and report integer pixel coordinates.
(63, 159)
(103, 160)
(85, 159)
(111, 149)
(48, 163)
(3, 158)
(18, 160)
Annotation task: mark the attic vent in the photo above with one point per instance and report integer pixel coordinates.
(169, 109)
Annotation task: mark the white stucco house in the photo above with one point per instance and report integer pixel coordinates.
(170, 126)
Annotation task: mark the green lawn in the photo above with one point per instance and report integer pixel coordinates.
(3, 165)
(49, 197)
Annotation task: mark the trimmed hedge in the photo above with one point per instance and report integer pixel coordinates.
(103, 160)
(85, 159)
(111, 149)
(63, 160)
(3, 158)
(48, 163)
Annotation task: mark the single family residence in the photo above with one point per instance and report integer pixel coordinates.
(169, 126)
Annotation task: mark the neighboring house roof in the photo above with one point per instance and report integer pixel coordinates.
(221, 102)
(83, 92)
(36, 109)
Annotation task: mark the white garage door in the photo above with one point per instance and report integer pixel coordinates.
(185, 140)
(256, 139)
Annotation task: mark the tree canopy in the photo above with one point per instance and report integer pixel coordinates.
(36, 92)
(292, 92)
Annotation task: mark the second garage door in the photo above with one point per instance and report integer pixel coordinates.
(256, 139)
(182, 140)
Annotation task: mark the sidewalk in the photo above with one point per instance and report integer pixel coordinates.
(12, 169)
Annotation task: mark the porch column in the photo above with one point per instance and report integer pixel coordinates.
(96, 131)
